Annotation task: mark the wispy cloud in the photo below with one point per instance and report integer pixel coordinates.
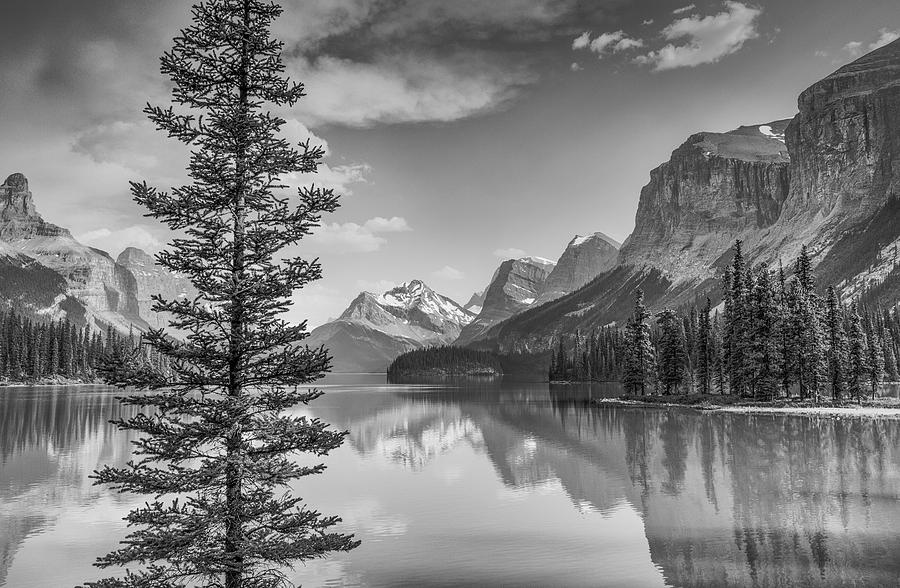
(376, 286)
(405, 88)
(115, 241)
(705, 39)
(885, 36)
(357, 238)
(683, 9)
(448, 273)
(509, 253)
(606, 43)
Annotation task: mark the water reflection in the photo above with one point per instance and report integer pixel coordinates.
(726, 500)
(498, 484)
(51, 440)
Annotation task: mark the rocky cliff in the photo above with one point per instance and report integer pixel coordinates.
(514, 288)
(151, 279)
(584, 259)
(715, 188)
(375, 328)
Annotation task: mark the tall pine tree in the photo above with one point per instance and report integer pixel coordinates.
(220, 442)
(639, 354)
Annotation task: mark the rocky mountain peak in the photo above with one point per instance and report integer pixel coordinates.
(19, 218)
(15, 197)
(585, 258)
(135, 257)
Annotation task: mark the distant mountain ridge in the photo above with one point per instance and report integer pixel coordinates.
(515, 287)
(584, 258)
(376, 328)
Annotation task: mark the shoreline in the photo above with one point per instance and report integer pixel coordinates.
(48, 383)
(879, 408)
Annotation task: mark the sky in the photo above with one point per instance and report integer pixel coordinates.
(460, 133)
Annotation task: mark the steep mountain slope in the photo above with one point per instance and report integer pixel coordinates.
(584, 259)
(826, 178)
(94, 288)
(514, 288)
(377, 328)
(152, 279)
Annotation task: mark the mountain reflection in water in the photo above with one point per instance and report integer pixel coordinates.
(506, 484)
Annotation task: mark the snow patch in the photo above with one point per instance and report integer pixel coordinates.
(767, 131)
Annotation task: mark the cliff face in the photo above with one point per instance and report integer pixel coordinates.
(584, 259)
(515, 288)
(845, 158)
(150, 279)
(715, 187)
(845, 142)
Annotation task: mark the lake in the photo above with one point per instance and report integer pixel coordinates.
(489, 484)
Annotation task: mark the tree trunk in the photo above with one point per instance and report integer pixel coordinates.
(234, 470)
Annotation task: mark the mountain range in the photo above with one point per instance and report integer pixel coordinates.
(376, 328)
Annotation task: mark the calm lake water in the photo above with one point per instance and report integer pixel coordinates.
(505, 485)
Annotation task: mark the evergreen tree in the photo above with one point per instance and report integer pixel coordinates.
(803, 271)
(220, 443)
(810, 342)
(705, 356)
(763, 343)
(671, 351)
(837, 344)
(874, 359)
(858, 355)
(639, 353)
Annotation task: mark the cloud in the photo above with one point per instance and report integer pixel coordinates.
(648, 22)
(510, 253)
(885, 36)
(405, 88)
(821, 53)
(356, 238)
(581, 41)
(115, 241)
(448, 273)
(707, 38)
(576, 66)
(687, 8)
(606, 43)
(854, 48)
(376, 286)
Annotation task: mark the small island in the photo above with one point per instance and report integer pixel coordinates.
(445, 361)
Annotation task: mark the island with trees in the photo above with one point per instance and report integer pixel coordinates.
(445, 361)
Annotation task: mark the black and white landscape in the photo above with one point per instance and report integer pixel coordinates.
(610, 295)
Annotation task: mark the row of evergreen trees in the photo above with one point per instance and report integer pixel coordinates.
(775, 337)
(446, 360)
(32, 350)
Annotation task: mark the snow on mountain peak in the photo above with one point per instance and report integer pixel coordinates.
(536, 260)
(580, 240)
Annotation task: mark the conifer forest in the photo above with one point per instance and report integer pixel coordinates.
(772, 336)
